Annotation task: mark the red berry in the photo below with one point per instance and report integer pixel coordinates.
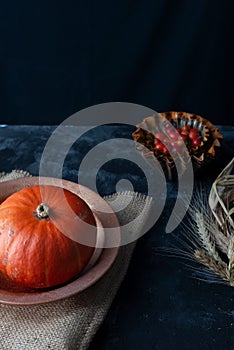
(184, 136)
(194, 133)
(185, 128)
(183, 132)
(178, 130)
(196, 142)
(159, 146)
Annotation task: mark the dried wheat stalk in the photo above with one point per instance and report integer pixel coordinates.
(213, 227)
(218, 267)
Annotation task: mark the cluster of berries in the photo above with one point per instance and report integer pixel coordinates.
(177, 138)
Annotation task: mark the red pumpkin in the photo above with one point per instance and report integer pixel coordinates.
(34, 251)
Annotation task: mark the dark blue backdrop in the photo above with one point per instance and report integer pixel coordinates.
(58, 57)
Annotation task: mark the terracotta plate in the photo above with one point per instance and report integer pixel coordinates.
(9, 294)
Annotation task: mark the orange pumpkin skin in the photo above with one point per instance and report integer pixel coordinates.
(34, 252)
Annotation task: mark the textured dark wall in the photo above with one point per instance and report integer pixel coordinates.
(58, 57)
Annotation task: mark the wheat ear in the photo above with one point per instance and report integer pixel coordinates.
(206, 239)
(218, 267)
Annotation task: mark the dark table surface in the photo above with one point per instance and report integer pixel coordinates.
(160, 305)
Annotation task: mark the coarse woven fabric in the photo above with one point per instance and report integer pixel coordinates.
(71, 323)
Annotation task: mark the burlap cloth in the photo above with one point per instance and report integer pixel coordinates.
(71, 323)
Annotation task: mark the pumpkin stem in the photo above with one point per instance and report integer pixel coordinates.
(43, 211)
